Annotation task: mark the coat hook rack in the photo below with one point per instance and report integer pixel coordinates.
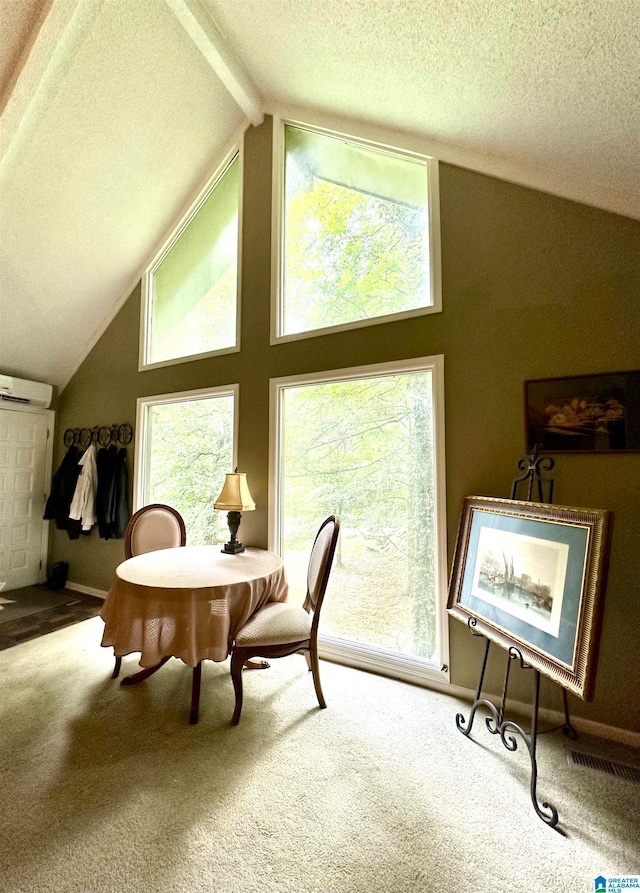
(103, 435)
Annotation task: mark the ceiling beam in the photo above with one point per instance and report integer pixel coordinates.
(42, 66)
(214, 47)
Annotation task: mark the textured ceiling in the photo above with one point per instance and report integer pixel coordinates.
(116, 111)
(547, 85)
(127, 127)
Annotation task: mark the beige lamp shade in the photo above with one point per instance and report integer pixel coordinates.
(235, 496)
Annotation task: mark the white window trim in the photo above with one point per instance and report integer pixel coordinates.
(357, 135)
(146, 292)
(365, 657)
(142, 429)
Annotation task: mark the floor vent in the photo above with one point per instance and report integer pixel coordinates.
(598, 764)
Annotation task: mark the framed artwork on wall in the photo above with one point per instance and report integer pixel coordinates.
(531, 576)
(587, 413)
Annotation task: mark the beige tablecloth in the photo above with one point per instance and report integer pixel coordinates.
(188, 602)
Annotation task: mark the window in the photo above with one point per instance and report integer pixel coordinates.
(186, 444)
(367, 444)
(359, 234)
(190, 295)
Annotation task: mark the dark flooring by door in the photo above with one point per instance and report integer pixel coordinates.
(36, 610)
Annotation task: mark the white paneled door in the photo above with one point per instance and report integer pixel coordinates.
(23, 478)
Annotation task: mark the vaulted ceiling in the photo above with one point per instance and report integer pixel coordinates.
(114, 113)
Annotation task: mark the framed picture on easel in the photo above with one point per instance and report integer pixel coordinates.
(531, 576)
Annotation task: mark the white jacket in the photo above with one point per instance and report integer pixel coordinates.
(83, 504)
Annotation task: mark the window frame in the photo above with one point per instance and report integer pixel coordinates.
(143, 405)
(277, 227)
(236, 150)
(366, 657)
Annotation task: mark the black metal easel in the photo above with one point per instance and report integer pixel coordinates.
(534, 467)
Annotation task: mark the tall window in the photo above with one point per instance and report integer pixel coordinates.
(358, 240)
(184, 449)
(366, 444)
(190, 299)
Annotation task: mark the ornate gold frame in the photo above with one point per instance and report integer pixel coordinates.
(587, 533)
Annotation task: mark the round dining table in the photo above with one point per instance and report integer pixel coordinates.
(187, 602)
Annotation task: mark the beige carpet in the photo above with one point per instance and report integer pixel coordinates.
(107, 788)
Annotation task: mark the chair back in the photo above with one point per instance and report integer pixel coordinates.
(320, 561)
(154, 527)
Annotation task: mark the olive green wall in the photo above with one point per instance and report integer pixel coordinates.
(533, 286)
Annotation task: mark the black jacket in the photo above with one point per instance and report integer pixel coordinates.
(106, 465)
(119, 504)
(63, 485)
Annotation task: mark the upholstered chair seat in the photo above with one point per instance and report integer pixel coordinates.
(280, 629)
(276, 623)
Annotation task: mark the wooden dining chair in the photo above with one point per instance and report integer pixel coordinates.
(279, 628)
(152, 527)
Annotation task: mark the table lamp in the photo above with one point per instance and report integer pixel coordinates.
(234, 499)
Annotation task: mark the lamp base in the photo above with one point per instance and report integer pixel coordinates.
(233, 548)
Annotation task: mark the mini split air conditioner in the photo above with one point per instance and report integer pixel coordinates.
(19, 390)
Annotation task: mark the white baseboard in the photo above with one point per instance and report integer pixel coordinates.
(88, 590)
(554, 717)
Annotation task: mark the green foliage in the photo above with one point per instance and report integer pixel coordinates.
(191, 449)
(208, 324)
(351, 256)
(363, 449)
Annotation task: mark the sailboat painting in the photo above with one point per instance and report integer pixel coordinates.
(522, 575)
(530, 577)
